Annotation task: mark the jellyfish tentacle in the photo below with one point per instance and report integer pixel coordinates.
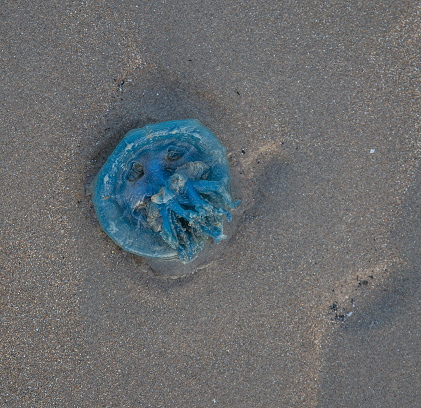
(201, 205)
(206, 186)
(168, 198)
(209, 185)
(190, 246)
(188, 241)
(198, 202)
(183, 239)
(180, 211)
(168, 233)
(214, 232)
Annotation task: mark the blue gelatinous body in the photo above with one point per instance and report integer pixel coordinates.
(165, 190)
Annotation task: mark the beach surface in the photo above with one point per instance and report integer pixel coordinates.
(312, 301)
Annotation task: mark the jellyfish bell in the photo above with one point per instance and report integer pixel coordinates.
(165, 190)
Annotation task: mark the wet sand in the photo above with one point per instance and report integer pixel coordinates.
(314, 299)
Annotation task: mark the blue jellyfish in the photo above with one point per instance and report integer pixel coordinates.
(165, 190)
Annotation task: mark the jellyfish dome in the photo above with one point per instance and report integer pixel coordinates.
(165, 190)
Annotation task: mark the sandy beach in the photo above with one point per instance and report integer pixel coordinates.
(312, 301)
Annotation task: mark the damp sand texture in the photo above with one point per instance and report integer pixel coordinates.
(313, 299)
